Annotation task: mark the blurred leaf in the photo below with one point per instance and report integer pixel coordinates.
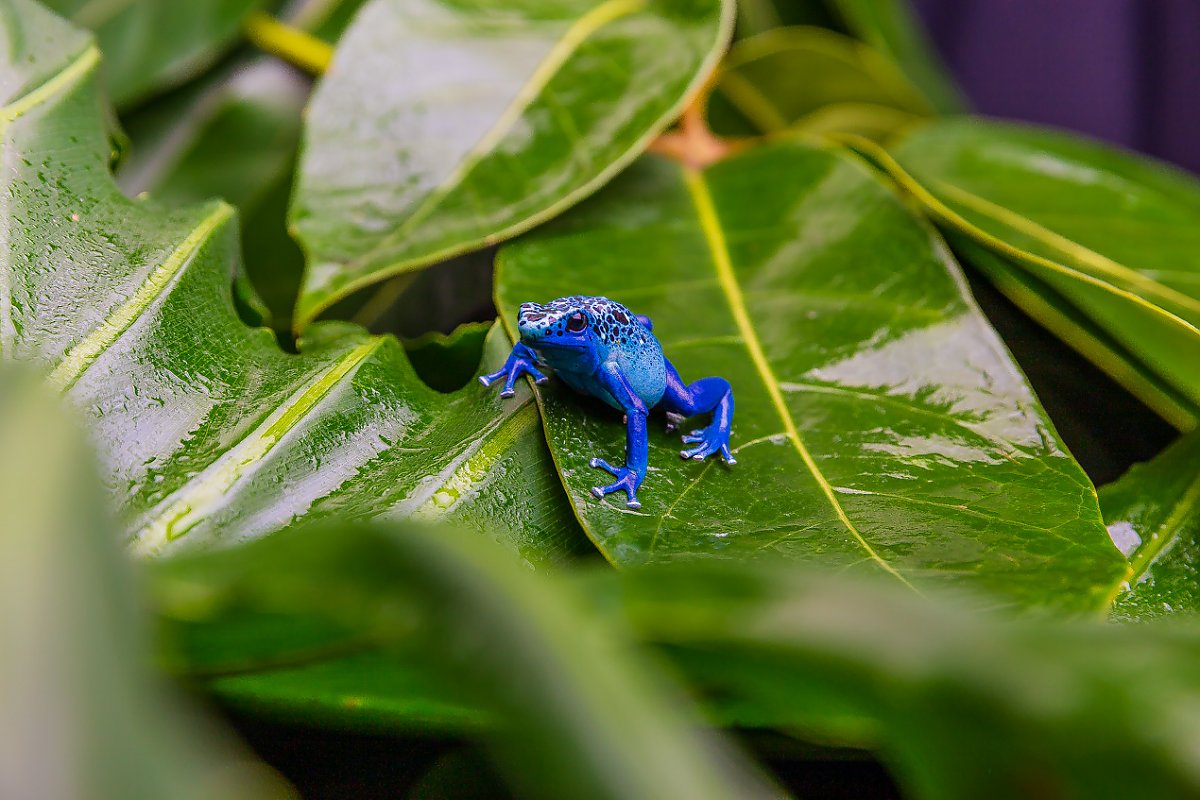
(880, 423)
(150, 45)
(80, 714)
(583, 713)
(506, 115)
(756, 16)
(1153, 515)
(234, 136)
(958, 704)
(325, 19)
(818, 82)
(891, 28)
(208, 432)
(1115, 234)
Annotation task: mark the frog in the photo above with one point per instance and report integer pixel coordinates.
(598, 347)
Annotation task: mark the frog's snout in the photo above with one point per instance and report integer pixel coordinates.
(528, 317)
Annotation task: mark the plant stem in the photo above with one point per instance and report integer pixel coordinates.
(291, 44)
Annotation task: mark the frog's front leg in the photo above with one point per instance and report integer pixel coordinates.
(520, 362)
(637, 443)
(701, 397)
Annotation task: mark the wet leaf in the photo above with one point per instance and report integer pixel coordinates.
(880, 422)
(578, 707)
(149, 45)
(1055, 313)
(208, 432)
(507, 115)
(818, 82)
(1116, 235)
(81, 715)
(1153, 516)
(234, 136)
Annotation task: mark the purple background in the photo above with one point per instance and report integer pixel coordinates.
(1127, 71)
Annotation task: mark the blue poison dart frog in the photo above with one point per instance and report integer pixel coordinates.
(600, 347)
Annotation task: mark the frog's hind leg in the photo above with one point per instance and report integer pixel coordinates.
(700, 397)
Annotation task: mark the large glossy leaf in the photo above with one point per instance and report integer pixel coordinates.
(1115, 234)
(582, 709)
(817, 81)
(880, 423)
(957, 704)
(81, 715)
(233, 135)
(152, 44)
(1153, 515)
(208, 432)
(505, 115)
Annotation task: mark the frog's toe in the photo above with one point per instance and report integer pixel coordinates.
(600, 463)
(626, 480)
(707, 441)
(488, 380)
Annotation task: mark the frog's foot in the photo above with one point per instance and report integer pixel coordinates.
(674, 420)
(627, 479)
(510, 373)
(713, 439)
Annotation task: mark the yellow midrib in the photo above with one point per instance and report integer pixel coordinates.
(715, 237)
(82, 355)
(192, 502)
(576, 35)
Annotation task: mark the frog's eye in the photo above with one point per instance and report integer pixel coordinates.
(576, 322)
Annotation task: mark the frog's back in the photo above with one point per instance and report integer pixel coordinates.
(631, 344)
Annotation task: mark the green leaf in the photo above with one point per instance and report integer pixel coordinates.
(505, 115)
(581, 708)
(150, 45)
(208, 432)
(1153, 515)
(80, 713)
(957, 704)
(854, 89)
(235, 136)
(757, 16)
(448, 362)
(880, 422)
(1116, 235)
(1056, 314)
(890, 27)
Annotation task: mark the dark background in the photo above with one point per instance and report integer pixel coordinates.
(1126, 71)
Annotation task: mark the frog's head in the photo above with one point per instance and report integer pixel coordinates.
(561, 333)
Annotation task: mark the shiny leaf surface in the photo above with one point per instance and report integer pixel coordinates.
(149, 45)
(847, 87)
(81, 715)
(880, 423)
(1054, 312)
(208, 432)
(506, 114)
(582, 706)
(1115, 234)
(232, 136)
(1153, 515)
